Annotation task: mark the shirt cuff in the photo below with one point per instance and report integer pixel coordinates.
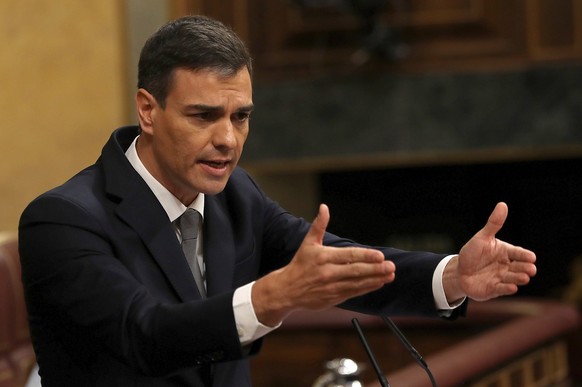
(438, 290)
(247, 325)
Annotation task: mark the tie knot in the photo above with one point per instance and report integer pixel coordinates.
(188, 223)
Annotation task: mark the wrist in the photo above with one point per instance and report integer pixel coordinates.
(452, 281)
(270, 305)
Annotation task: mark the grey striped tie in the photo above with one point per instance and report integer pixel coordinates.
(189, 223)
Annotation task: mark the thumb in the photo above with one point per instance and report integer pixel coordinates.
(319, 225)
(495, 221)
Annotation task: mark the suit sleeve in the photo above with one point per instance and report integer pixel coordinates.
(81, 296)
(411, 292)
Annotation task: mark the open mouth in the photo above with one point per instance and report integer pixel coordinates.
(216, 164)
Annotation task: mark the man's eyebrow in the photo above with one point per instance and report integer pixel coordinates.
(203, 107)
(246, 109)
(211, 108)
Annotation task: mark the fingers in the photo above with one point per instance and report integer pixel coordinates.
(351, 255)
(346, 281)
(320, 276)
(516, 278)
(519, 254)
(521, 261)
(360, 270)
(519, 273)
(495, 221)
(352, 288)
(318, 227)
(504, 289)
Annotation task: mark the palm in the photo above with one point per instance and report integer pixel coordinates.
(482, 267)
(489, 267)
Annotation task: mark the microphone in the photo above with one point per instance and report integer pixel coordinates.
(413, 352)
(379, 373)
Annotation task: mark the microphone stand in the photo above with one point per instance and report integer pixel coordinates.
(413, 352)
(379, 373)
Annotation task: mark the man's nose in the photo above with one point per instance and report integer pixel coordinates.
(224, 134)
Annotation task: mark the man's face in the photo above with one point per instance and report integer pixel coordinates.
(194, 144)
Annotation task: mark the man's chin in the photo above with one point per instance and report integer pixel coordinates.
(214, 188)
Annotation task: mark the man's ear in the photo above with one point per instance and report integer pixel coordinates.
(145, 104)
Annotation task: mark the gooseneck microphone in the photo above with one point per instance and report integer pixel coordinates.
(379, 373)
(413, 352)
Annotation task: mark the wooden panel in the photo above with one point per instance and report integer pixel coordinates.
(554, 29)
(231, 12)
(498, 340)
(319, 40)
(288, 39)
(547, 366)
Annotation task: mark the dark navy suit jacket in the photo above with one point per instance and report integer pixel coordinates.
(111, 299)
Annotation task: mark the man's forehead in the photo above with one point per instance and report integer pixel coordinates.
(205, 91)
(220, 74)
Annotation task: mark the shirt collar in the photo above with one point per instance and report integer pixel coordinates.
(173, 207)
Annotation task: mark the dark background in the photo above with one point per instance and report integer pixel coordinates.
(441, 207)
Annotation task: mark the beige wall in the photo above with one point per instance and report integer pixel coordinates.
(62, 90)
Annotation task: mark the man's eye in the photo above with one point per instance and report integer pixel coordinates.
(242, 116)
(203, 116)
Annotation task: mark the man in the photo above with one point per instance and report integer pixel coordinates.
(111, 297)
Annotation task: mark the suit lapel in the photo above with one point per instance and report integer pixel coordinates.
(141, 211)
(218, 247)
(160, 238)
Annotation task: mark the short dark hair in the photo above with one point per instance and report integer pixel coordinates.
(191, 42)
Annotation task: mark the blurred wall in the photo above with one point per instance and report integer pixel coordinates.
(63, 89)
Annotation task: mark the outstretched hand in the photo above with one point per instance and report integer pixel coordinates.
(319, 276)
(487, 267)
